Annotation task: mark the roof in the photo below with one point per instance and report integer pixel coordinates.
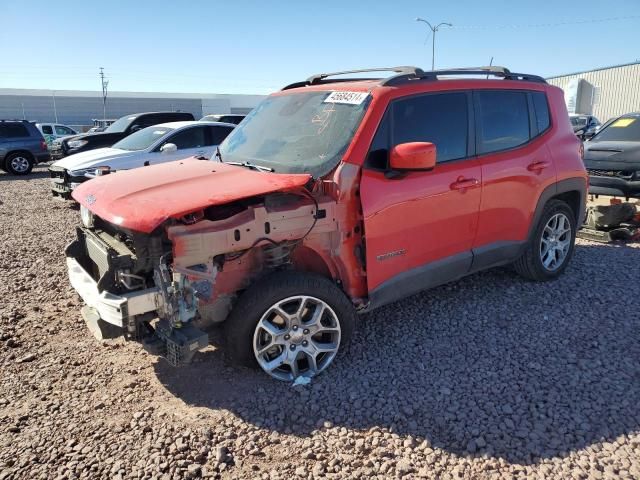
(192, 122)
(595, 70)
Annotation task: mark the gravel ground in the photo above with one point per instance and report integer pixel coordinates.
(489, 377)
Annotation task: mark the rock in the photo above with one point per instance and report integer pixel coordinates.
(27, 358)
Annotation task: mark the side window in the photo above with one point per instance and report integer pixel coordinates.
(502, 120)
(441, 119)
(541, 108)
(13, 130)
(47, 130)
(189, 138)
(61, 130)
(378, 157)
(218, 134)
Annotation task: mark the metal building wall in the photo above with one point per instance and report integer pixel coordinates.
(80, 110)
(618, 89)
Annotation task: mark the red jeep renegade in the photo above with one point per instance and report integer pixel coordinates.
(333, 197)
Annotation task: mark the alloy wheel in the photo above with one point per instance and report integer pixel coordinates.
(20, 164)
(297, 336)
(555, 241)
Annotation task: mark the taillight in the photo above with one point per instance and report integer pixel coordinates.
(581, 150)
(43, 145)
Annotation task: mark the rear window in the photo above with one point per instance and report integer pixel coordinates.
(624, 129)
(541, 109)
(13, 130)
(502, 120)
(47, 129)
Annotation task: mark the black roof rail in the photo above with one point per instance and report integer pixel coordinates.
(407, 74)
(493, 70)
(321, 77)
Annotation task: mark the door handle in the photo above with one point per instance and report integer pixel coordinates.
(463, 183)
(537, 166)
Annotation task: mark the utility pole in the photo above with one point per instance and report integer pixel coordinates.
(105, 84)
(55, 110)
(433, 43)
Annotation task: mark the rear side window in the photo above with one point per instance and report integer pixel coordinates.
(46, 129)
(502, 120)
(189, 138)
(541, 109)
(441, 119)
(218, 134)
(13, 130)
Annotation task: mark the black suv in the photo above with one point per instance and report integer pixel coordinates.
(612, 158)
(21, 146)
(123, 127)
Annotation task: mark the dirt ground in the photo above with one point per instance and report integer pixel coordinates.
(488, 377)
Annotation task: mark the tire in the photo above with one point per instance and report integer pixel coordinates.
(259, 336)
(19, 163)
(531, 264)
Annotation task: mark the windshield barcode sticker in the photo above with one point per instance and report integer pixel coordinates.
(351, 98)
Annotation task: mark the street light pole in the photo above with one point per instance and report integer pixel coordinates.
(433, 43)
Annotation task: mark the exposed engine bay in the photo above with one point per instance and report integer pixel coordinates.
(195, 267)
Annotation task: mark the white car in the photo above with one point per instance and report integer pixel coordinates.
(161, 143)
(53, 131)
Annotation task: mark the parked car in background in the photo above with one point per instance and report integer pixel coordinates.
(118, 130)
(612, 158)
(53, 131)
(156, 144)
(22, 146)
(332, 198)
(224, 117)
(584, 125)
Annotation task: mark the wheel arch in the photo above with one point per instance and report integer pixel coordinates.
(572, 191)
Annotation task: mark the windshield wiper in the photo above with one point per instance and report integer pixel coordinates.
(218, 154)
(260, 168)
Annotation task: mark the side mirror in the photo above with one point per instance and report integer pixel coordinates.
(135, 128)
(169, 148)
(413, 156)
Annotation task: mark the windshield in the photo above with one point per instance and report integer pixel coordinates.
(578, 121)
(142, 139)
(120, 125)
(625, 129)
(297, 133)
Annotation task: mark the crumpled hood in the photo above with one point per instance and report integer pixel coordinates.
(143, 198)
(93, 158)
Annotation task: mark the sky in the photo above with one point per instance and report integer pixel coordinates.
(255, 47)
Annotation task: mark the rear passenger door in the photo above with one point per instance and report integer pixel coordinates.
(419, 226)
(511, 127)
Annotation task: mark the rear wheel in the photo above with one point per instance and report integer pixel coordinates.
(551, 247)
(290, 324)
(19, 163)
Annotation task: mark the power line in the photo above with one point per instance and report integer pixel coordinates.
(546, 25)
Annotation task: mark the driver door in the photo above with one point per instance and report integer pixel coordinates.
(420, 225)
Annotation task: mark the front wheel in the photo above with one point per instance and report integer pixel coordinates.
(290, 324)
(551, 247)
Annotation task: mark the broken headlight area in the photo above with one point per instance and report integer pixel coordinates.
(130, 290)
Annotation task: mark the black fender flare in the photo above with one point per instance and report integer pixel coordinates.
(563, 186)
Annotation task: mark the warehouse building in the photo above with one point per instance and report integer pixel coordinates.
(80, 108)
(603, 92)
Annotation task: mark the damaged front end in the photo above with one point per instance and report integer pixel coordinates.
(129, 290)
(167, 287)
